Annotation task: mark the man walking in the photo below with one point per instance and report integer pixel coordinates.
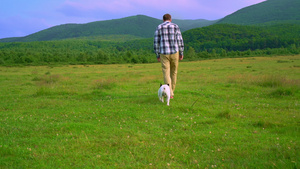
(168, 46)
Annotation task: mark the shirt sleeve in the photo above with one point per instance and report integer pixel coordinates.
(156, 43)
(180, 42)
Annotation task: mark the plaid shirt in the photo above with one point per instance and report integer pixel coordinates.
(168, 39)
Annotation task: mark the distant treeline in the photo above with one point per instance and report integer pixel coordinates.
(72, 52)
(227, 40)
(216, 41)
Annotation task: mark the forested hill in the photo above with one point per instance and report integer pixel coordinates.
(215, 41)
(230, 37)
(270, 11)
(139, 26)
(190, 24)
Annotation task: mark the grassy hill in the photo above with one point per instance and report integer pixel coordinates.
(139, 26)
(273, 11)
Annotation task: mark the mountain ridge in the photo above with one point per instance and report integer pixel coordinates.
(139, 26)
(269, 12)
(264, 12)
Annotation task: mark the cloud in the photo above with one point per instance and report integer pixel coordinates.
(108, 9)
(90, 8)
(180, 9)
(17, 26)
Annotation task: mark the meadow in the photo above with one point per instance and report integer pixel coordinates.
(226, 113)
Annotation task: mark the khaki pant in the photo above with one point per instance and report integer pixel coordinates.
(169, 65)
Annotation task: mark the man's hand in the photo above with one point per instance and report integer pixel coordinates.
(158, 59)
(180, 57)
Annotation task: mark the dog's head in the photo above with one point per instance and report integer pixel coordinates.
(163, 89)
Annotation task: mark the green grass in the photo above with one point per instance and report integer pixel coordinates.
(227, 113)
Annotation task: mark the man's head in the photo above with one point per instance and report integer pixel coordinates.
(167, 17)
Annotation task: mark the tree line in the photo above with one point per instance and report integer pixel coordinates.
(216, 41)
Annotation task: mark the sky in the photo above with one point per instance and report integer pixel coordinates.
(23, 17)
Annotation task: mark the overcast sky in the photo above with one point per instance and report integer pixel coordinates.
(23, 17)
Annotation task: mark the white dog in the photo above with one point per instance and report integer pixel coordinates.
(164, 92)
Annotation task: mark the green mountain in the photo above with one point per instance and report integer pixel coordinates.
(132, 27)
(190, 24)
(267, 12)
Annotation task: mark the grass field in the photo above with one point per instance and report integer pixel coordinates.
(227, 113)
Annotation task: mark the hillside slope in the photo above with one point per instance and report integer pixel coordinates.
(191, 24)
(267, 11)
(137, 26)
(232, 37)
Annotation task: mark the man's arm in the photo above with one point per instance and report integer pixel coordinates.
(156, 43)
(180, 44)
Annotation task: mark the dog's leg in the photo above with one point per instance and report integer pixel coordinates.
(160, 98)
(168, 100)
(159, 95)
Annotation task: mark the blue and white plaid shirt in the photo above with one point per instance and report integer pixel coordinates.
(168, 39)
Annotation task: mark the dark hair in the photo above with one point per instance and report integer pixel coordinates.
(167, 17)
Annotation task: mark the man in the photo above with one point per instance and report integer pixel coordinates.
(168, 46)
